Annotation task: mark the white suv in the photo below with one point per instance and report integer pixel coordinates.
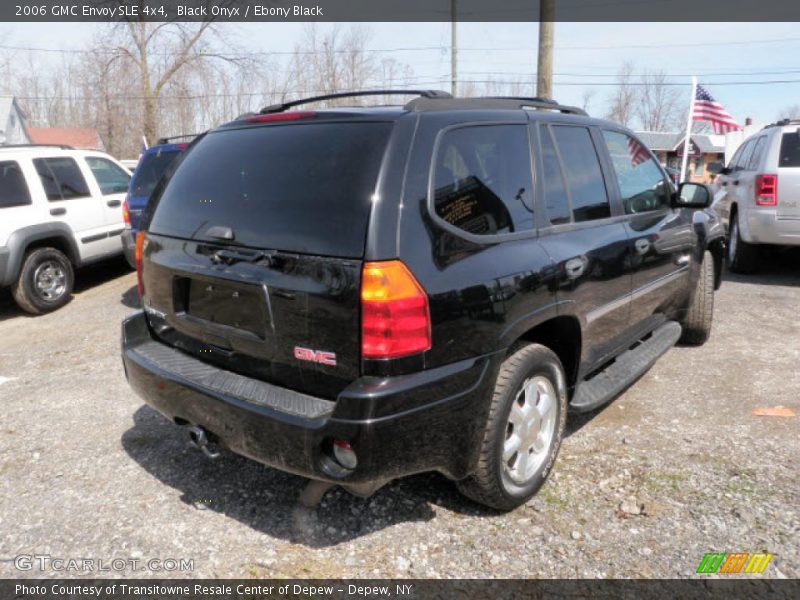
(758, 194)
(60, 209)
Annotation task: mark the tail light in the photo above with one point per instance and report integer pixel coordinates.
(395, 319)
(126, 213)
(766, 190)
(138, 254)
(273, 117)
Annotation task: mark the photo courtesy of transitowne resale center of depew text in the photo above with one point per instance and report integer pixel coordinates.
(399, 300)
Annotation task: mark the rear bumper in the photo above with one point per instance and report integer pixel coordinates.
(428, 421)
(129, 246)
(764, 227)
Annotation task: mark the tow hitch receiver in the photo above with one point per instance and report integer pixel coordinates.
(199, 439)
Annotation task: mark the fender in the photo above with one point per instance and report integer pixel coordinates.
(19, 240)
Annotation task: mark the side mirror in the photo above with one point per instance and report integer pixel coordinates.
(715, 167)
(692, 195)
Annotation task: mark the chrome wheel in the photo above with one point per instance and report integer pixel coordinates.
(530, 429)
(733, 241)
(50, 280)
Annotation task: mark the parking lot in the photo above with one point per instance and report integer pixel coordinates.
(675, 467)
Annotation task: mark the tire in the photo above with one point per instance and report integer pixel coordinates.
(45, 281)
(742, 257)
(504, 483)
(697, 324)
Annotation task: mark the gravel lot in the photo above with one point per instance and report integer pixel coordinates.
(675, 467)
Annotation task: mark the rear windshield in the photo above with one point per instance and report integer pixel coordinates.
(300, 188)
(790, 150)
(150, 171)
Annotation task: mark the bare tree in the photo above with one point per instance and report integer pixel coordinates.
(790, 112)
(586, 98)
(658, 104)
(622, 102)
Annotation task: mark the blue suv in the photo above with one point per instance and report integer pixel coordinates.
(152, 166)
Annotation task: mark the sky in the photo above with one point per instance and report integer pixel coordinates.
(585, 53)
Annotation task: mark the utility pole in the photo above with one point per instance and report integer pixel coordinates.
(544, 68)
(453, 50)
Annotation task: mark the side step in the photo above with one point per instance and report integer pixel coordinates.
(628, 366)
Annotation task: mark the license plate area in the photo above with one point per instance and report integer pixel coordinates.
(238, 306)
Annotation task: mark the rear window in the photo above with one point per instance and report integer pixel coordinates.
(62, 178)
(150, 171)
(13, 189)
(301, 188)
(790, 150)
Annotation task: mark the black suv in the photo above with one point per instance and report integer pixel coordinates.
(358, 294)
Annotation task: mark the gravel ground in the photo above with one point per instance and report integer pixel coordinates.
(675, 467)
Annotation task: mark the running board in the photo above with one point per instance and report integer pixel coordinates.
(627, 368)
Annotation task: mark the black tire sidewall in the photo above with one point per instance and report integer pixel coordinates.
(539, 364)
(31, 263)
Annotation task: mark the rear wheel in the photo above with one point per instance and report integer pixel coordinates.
(742, 257)
(45, 281)
(697, 324)
(523, 431)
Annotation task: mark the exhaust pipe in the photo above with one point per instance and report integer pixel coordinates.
(199, 439)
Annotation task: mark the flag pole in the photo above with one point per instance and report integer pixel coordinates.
(685, 161)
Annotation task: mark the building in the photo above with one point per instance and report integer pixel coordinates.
(82, 138)
(13, 125)
(703, 149)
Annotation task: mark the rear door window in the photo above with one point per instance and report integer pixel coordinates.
(641, 182)
(62, 178)
(305, 188)
(556, 199)
(584, 176)
(13, 188)
(483, 182)
(758, 150)
(111, 178)
(790, 150)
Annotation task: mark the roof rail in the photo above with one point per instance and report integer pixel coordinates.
(286, 105)
(61, 146)
(545, 103)
(783, 123)
(167, 140)
(489, 102)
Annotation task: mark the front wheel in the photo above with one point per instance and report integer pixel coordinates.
(697, 324)
(523, 430)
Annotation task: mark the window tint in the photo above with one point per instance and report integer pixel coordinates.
(13, 189)
(790, 150)
(300, 188)
(555, 192)
(61, 178)
(758, 150)
(641, 183)
(149, 171)
(584, 176)
(744, 157)
(735, 158)
(483, 182)
(111, 178)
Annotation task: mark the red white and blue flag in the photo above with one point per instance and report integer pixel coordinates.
(708, 109)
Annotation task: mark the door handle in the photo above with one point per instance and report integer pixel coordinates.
(724, 184)
(736, 182)
(113, 203)
(574, 267)
(58, 211)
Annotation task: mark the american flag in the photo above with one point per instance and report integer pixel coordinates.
(708, 109)
(638, 152)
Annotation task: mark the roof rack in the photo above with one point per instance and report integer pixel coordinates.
(61, 146)
(167, 140)
(423, 104)
(430, 94)
(783, 123)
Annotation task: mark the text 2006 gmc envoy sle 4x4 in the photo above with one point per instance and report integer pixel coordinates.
(358, 294)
